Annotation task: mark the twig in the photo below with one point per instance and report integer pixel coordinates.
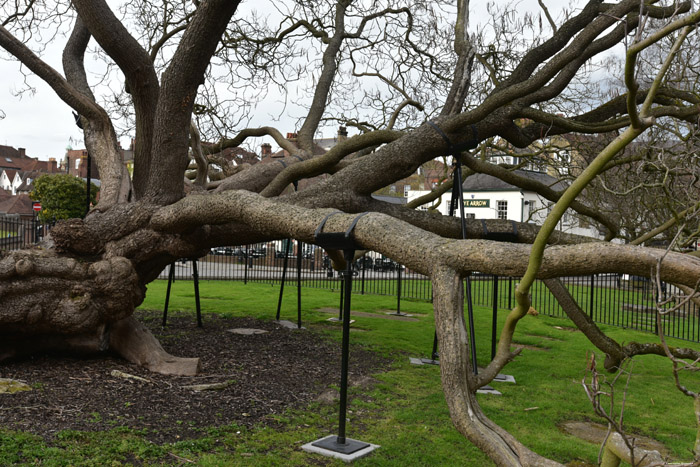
(181, 458)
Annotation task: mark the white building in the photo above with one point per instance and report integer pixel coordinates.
(487, 197)
(10, 180)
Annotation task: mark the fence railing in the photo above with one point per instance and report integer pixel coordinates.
(17, 233)
(612, 299)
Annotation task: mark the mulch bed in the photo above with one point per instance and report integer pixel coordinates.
(271, 372)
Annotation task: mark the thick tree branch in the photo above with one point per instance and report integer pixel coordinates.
(100, 137)
(179, 86)
(318, 165)
(141, 79)
(61, 87)
(324, 82)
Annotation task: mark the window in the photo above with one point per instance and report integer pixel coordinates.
(532, 208)
(77, 164)
(469, 215)
(502, 210)
(406, 189)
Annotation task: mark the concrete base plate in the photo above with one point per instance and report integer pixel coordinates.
(338, 320)
(348, 452)
(501, 378)
(423, 361)
(246, 331)
(488, 390)
(289, 325)
(393, 313)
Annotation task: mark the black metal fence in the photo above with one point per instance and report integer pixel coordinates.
(17, 233)
(612, 299)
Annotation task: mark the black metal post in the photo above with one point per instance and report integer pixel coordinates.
(494, 324)
(171, 278)
(363, 276)
(592, 296)
(245, 264)
(340, 307)
(398, 291)
(195, 275)
(434, 354)
(284, 276)
(347, 245)
(299, 258)
(510, 293)
(35, 235)
(347, 280)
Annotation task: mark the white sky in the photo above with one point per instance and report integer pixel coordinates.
(43, 125)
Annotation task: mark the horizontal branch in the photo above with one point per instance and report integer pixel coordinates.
(319, 165)
(418, 249)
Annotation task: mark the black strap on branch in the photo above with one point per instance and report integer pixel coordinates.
(501, 236)
(337, 240)
(457, 148)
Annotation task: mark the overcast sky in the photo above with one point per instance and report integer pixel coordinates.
(43, 125)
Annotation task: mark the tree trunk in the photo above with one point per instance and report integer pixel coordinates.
(455, 369)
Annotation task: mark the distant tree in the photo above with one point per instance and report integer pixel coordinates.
(62, 196)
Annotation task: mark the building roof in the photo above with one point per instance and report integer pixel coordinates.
(20, 204)
(11, 173)
(483, 182)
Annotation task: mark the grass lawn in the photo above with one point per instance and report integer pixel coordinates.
(405, 412)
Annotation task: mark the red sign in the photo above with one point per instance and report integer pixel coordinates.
(36, 206)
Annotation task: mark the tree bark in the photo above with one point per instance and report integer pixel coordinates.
(457, 384)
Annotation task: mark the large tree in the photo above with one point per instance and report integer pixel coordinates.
(434, 89)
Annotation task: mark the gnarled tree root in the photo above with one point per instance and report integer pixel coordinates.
(133, 341)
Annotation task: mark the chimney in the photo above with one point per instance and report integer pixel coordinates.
(292, 136)
(52, 165)
(266, 149)
(342, 134)
(22, 152)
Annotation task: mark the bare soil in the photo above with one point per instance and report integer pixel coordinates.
(268, 372)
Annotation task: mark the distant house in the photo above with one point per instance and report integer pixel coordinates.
(321, 146)
(488, 197)
(20, 205)
(18, 171)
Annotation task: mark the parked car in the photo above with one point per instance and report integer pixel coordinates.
(384, 265)
(258, 252)
(222, 250)
(364, 263)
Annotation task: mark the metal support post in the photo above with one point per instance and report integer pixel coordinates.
(299, 258)
(494, 324)
(334, 445)
(245, 264)
(195, 275)
(171, 278)
(284, 276)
